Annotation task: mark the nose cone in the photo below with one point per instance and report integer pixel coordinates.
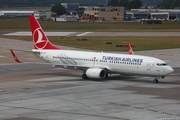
(169, 70)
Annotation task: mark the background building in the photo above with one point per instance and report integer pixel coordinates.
(65, 18)
(37, 14)
(105, 14)
(155, 14)
(70, 7)
(8, 14)
(45, 15)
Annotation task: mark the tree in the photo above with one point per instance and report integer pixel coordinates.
(134, 4)
(114, 3)
(169, 4)
(124, 3)
(58, 9)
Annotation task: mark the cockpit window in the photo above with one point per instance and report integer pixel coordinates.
(161, 64)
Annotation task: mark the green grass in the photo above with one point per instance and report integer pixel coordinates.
(99, 43)
(22, 24)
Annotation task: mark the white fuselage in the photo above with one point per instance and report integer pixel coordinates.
(115, 63)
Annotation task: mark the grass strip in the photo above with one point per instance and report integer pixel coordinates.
(99, 43)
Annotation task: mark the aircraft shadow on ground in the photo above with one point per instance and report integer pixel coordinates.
(110, 78)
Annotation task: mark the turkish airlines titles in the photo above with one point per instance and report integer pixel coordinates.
(122, 59)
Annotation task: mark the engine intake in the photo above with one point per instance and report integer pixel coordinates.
(96, 73)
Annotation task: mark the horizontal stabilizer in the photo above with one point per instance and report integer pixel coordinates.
(15, 57)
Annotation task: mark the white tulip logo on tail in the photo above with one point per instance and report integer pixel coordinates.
(40, 40)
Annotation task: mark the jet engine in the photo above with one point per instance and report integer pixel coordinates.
(96, 73)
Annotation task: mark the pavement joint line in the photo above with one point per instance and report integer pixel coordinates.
(152, 110)
(66, 112)
(124, 105)
(47, 91)
(167, 113)
(78, 103)
(139, 108)
(112, 103)
(145, 109)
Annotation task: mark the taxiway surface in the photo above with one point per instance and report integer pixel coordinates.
(37, 91)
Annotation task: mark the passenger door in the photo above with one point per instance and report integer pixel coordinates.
(148, 66)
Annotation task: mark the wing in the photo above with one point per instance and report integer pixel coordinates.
(79, 67)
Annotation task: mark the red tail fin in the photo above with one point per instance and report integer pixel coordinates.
(130, 49)
(14, 56)
(40, 40)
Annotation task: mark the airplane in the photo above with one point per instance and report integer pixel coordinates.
(95, 65)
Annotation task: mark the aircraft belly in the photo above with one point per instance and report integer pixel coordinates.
(129, 70)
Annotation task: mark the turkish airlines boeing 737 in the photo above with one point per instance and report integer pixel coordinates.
(95, 64)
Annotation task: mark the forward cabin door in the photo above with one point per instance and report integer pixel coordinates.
(151, 69)
(148, 66)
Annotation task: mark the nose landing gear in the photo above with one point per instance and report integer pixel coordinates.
(155, 81)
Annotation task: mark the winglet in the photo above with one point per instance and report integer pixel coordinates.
(14, 56)
(130, 51)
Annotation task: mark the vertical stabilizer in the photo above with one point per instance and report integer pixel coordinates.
(130, 51)
(40, 40)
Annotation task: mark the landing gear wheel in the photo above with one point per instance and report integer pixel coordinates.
(156, 81)
(106, 75)
(84, 76)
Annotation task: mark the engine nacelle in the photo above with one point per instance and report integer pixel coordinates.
(95, 73)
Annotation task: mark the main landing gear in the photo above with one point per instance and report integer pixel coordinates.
(84, 76)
